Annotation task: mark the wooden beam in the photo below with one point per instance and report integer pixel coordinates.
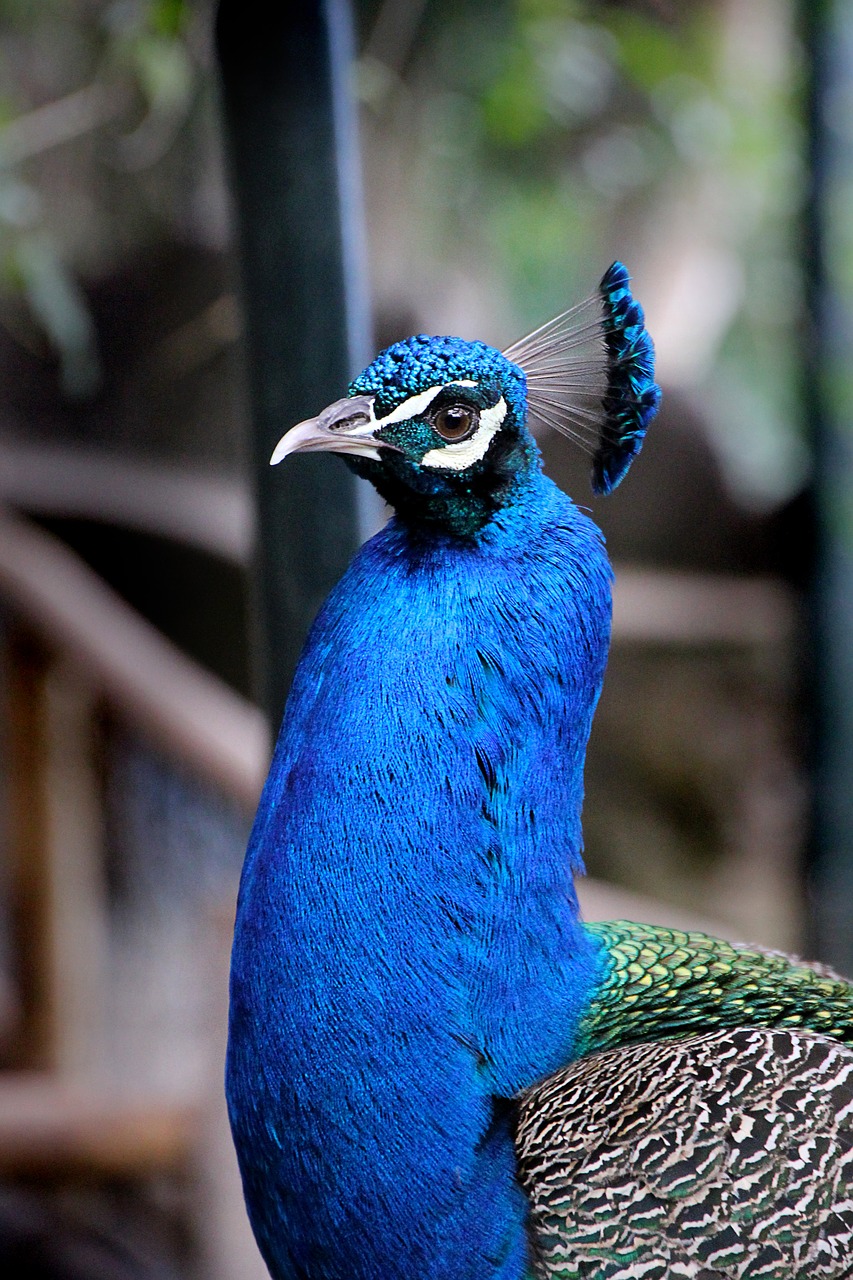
(75, 911)
(189, 713)
(53, 1130)
(212, 513)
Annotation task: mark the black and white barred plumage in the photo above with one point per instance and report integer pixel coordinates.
(726, 1156)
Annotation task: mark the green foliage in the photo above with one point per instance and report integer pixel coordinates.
(531, 141)
(651, 53)
(514, 108)
(95, 100)
(163, 70)
(169, 18)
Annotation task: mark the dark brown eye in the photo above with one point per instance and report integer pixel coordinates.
(456, 421)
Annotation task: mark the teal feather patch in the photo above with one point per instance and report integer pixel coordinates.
(662, 983)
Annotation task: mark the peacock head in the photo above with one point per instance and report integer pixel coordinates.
(436, 424)
(439, 425)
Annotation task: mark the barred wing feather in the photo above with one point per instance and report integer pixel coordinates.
(725, 1156)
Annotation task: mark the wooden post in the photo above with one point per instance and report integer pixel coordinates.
(827, 35)
(291, 134)
(33, 1045)
(56, 884)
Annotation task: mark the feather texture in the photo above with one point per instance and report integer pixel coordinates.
(726, 1156)
(407, 952)
(662, 982)
(590, 376)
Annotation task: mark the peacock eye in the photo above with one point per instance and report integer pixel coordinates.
(456, 421)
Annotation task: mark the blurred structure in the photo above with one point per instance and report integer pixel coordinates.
(284, 78)
(828, 30)
(510, 152)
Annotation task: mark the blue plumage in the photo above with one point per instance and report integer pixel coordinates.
(632, 396)
(422, 361)
(407, 953)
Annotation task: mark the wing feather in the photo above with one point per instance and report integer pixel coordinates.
(726, 1156)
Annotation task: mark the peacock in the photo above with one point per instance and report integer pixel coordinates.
(436, 1070)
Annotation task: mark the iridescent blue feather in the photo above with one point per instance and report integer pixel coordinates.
(632, 396)
(590, 376)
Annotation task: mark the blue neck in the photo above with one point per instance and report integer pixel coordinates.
(407, 953)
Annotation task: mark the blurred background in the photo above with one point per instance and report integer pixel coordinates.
(484, 161)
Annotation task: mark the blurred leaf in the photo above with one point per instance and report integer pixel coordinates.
(169, 17)
(538, 10)
(8, 110)
(547, 239)
(59, 305)
(650, 51)
(164, 71)
(513, 107)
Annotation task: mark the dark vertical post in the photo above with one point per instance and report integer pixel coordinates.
(290, 131)
(828, 38)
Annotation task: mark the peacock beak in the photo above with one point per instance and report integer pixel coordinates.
(347, 426)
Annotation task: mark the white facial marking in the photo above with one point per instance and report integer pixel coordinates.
(456, 457)
(416, 404)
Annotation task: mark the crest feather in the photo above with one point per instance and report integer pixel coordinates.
(590, 376)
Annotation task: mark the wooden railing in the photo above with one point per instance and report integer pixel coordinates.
(72, 648)
(188, 712)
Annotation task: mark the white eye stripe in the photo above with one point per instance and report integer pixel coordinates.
(456, 457)
(416, 404)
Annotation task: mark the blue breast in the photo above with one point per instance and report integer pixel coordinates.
(407, 953)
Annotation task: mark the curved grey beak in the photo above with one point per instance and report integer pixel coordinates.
(346, 426)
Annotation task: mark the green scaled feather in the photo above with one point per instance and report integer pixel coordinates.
(662, 983)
